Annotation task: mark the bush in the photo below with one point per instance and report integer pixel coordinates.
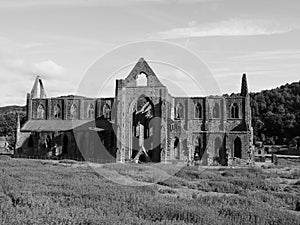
(167, 191)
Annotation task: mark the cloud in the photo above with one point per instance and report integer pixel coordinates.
(49, 68)
(22, 67)
(264, 56)
(231, 27)
(18, 77)
(32, 45)
(12, 61)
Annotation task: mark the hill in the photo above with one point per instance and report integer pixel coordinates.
(12, 108)
(276, 114)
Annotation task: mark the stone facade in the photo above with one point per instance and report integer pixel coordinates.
(142, 122)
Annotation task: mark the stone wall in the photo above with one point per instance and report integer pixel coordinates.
(209, 129)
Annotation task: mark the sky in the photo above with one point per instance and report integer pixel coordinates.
(60, 40)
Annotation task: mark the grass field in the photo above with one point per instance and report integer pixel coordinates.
(53, 192)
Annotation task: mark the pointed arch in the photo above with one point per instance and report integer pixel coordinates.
(38, 90)
(179, 111)
(57, 111)
(237, 148)
(177, 147)
(198, 148)
(142, 67)
(198, 111)
(73, 111)
(106, 111)
(216, 111)
(41, 114)
(91, 111)
(234, 111)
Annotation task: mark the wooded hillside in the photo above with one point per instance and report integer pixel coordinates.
(276, 114)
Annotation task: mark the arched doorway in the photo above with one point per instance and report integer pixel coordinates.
(237, 148)
(65, 145)
(198, 149)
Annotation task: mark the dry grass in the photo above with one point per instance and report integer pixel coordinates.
(53, 192)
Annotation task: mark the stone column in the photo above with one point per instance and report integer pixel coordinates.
(48, 112)
(190, 146)
(210, 150)
(164, 131)
(123, 126)
(65, 109)
(141, 136)
(171, 151)
(179, 149)
(81, 109)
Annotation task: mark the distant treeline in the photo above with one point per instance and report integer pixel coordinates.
(275, 115)
(8, 121)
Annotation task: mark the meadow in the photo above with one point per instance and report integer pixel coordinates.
(68, 192)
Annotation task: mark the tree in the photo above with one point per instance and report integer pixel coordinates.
(275, 113)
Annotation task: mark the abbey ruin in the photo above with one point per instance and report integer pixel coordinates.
(140, 123)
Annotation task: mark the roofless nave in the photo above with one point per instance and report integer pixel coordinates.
(141, 123)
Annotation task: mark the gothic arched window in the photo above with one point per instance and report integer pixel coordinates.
(40, 112)
(198, 111)
(91, 112)
(142, 80)
(234, 110)
(179, 112)
(73, 111)
(237, 148)
(177, 148)
(197, 146)
(216, 111)
(57, 111)
(106, 111)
